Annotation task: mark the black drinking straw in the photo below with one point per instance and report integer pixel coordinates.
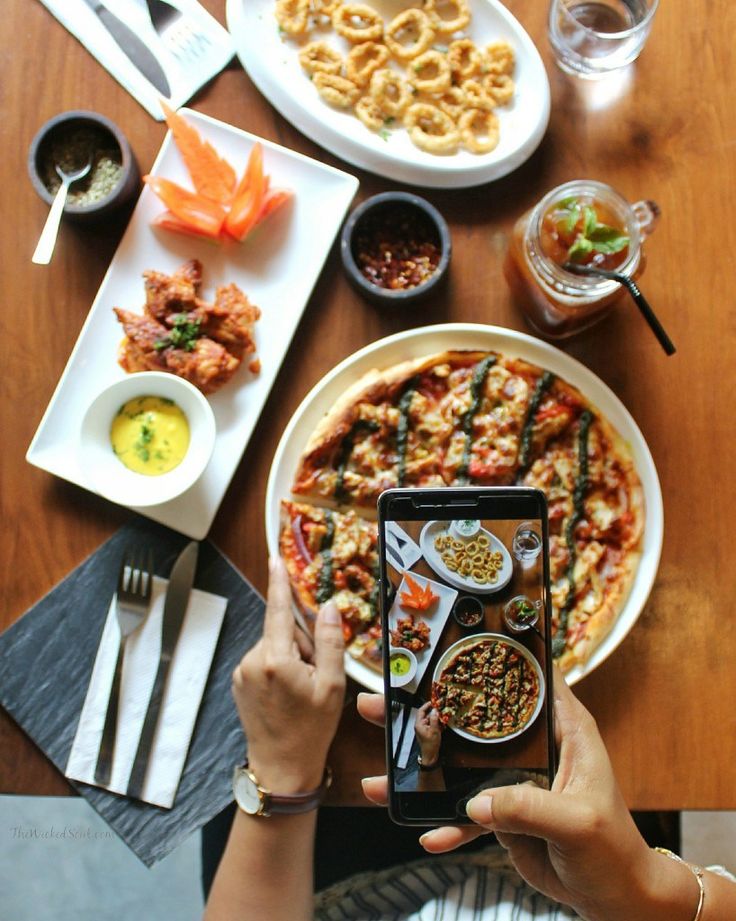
(639, 299)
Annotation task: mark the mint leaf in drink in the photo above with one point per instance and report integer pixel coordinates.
(570, 214)
(590, 221)
(607, 239)
(581, 248)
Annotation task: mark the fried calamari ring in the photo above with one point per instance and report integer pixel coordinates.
(336, 90)
(499, 87)
(431, 129)
(447, 26)
(465, 59)
(453, 102)
(324, 8)
(431, 72)
(370, 113)
(414, 25)
(364, 60)
(476, 96)
(293, 15)
(500, 58)
(357, 22)
(390, 91)
(319, 57)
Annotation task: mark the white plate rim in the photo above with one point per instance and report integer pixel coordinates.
(460, 582)
(519, 647)
(192, 512)
(268, 78)
(425, 340)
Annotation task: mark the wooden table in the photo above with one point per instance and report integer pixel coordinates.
(665, 700)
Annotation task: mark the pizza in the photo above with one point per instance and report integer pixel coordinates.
(487, 419)
(333, 556)
(488, 689)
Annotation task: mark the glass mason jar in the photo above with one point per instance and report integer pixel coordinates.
(558, 303)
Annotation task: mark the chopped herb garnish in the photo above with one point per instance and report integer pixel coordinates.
(184, 334)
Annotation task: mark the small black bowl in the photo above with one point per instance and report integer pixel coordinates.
(103, 137)
(468, 611)
(383, 208)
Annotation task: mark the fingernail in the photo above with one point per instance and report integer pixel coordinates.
(425, 838)
(330, 614)
(480, 809)
(366, 780)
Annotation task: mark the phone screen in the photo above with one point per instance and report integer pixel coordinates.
(466, 649)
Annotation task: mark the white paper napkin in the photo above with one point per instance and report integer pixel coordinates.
(402, 757)
(408, 551)
(182, 695)
(188, 66)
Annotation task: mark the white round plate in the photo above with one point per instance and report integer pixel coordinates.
(415, 343)
(271, 61)
(426, 543)
(468, 641)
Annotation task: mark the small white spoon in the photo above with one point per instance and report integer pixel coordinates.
(47, 240)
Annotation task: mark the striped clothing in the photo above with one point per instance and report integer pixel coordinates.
(456, 887)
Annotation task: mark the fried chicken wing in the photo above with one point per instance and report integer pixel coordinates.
(208, 365)
(231, 321)
(138, 350)
(178, 332)
(168, 295)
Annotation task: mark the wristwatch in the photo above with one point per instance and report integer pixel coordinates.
(252, 798)
(428, 767)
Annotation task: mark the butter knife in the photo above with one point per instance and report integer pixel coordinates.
(175, 607)
(136, 49)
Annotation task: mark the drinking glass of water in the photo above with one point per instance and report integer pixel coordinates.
(592, 38)
(527, 543)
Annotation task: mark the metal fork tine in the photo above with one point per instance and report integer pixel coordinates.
(122, 581)
(149, 580)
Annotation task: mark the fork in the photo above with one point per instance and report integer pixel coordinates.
(132, 603)
(176, 32)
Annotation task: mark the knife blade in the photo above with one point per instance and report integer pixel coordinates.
(394, 556)
(136, 49)
(175, 606)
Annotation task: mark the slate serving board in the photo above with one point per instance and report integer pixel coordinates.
(46, 660)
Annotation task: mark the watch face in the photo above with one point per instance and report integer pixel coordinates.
(246, 793)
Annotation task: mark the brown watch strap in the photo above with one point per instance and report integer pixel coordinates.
(297, 803)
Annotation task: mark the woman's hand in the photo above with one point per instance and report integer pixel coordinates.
(289, 696)
(575, 843)
(428, 732)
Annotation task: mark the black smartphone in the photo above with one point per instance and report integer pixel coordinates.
(467, 661)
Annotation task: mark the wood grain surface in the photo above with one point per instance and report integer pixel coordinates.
(664, 700)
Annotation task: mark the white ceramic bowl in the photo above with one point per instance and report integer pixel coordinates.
(464, 528)
(109, 476)
(398, 681)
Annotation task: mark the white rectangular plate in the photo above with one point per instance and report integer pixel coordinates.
(276, 267)
(435, 618)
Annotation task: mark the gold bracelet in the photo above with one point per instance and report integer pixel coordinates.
(697, 873)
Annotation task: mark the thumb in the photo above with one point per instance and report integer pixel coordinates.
(526, 809)
(329, 646)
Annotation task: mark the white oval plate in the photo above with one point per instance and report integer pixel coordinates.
(272, 63)
(415, 343)
(433, 558)
(515, 644)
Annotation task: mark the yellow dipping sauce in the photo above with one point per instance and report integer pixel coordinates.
(150, 435)
(399, 663)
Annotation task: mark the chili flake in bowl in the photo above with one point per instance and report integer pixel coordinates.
(395, 247)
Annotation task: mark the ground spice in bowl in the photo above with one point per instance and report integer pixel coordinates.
(71, 140)
(70, 147)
